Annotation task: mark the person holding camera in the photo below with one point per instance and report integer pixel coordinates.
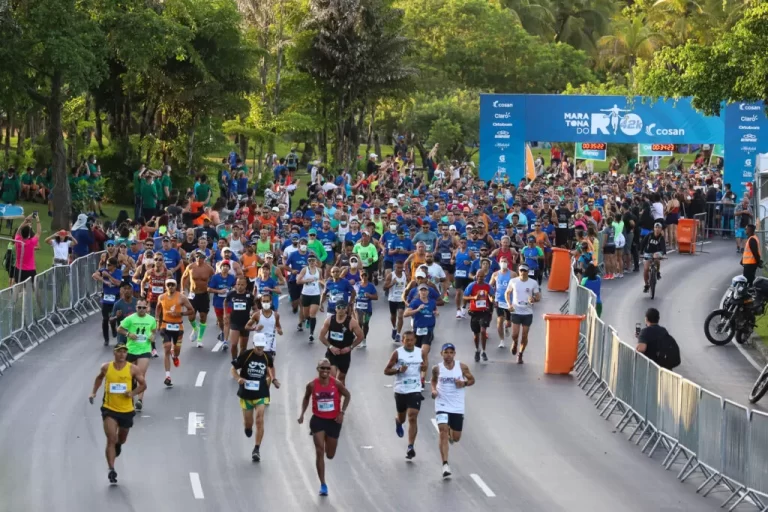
(26, 244)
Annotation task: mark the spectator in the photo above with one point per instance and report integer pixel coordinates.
(61, 242)
(591, 281)
(656, 343)
(26, 244)
(81, 233)
(203, 190)
(149, 196)
(292, 162)
(11, 187)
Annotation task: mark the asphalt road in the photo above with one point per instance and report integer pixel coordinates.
(691, 287)
(531, 442)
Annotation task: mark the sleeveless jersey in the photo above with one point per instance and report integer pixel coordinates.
(172, 315)
(449, 397)
(312, 288)
(268, 322)
(326, 400)
(410, 381)
(339, 334)
(236, 244)
(416, 261)
(398, 287)
(482, 291)
(246, 261)
(116, 383)
(156, 286)
(505, 254)
(444, 250)
(502, 281)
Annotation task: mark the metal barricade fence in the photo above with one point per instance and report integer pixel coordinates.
(651, 405)
(94, 287)
(639, 398)
(688, 424)
(668, 407)
(44, 302)
(757, 470)
(735, 441)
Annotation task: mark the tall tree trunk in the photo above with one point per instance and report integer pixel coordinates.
(98, 132)
(87, 131)
(369, 135)
(62, 203)
(190, 144)
(243, 147)
(279, 62)
(376, 143)
(307, 154)
(8, 134)
(20, 138)
(72, 149)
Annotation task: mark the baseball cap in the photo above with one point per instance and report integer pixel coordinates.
(275, 209)
(373, 155)
(259, 340)
(312, 231)
(523, 267)
(658, 225)
(447, 346)
(423, 286)
(120, 347)
(341, 304)
(170, 280)
(227, 263)
(451, 228)
(110, 243)
(166, 239)
(295, 236)
(226, 249)
(421, 274)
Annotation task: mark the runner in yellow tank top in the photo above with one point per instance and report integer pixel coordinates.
(117, 407)
(172, 306)
(419, 257)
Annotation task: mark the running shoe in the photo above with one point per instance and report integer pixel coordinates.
(446, 471)
(411, 453)
(646, 288)
(106, 343)
(363, 344)
(485, 357)
(168, 382)
(248, 432)
(306, 323)
(311, 338)
(323, 490)
(514, 349)
(520, 358)
(220, 337)
(458, 313)
(154, 352)
(477, 356)
(299, 328)
(193, 336)
(399, 429)
(224, 346)
(199, 344)
(501, 344)
(175, 360)
(658, 276)
(398, 338)
(445, 298)
(394, 333)
(255, 455)
(112, 475)
(139, 405)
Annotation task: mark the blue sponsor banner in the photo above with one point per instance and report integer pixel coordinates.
(508, 121)
(746, 135)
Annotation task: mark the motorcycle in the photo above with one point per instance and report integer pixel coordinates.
(737, 316)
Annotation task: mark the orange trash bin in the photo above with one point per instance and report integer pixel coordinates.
(560, 275)
(562, 343)
(687, 230)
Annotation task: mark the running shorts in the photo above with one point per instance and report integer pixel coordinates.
(294, 290)
(395, 306)
(341, 361)
(425, 339)
(310, 300)
(175, 337)
(330, 427)
(455, 421)
(249, 405)
(404, 401)
(132, 358)
(123, 419)
(524, 320)
(479, 320)
(503, 313)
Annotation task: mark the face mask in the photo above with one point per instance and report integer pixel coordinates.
(303, 247)
(503, 265)
(393, 227)
(266, 305)
(353, 264)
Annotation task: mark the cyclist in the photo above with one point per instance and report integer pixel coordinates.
(653, 247)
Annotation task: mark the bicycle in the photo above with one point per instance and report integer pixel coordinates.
(653, 273)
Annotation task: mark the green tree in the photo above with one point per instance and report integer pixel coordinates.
(632, 39)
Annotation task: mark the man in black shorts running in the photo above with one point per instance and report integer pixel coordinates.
(341, 333)
(326, 393)
(238, 308)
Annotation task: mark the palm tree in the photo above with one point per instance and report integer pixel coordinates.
(678, 20)
(581, 23)
(535, 16)
(632, 39)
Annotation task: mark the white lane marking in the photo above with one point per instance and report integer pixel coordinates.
(197, 487)
(482, 485)
(192, 424)
(434, 422)
(217, 346)
(200, 379)
(671, 251)
(282, 297)
(739, 347)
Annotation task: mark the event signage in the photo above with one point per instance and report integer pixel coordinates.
(655, 150)
(746, 136)
(718, 150)
(508, 121)
(591, 151)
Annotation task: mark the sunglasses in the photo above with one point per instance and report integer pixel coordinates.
(159, 259)
(142, 307)
(170, 285)
(324, 368)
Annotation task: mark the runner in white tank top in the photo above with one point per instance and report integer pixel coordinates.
(394, 286)
(267, 322)
(408, 366)
(449, 380)
(309, 277)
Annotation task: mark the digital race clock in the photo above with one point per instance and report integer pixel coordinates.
(593, 146)
(662, 147)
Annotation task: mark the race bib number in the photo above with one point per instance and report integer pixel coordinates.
(461, 273)
(562, 225)
(224, 293)
(337, 336)
(441, 418)
(532, 273)
(445, 255)
(326, 405)
(238, 306)
(118, 387)
(422, 331)
(109, 298)
(361, 305)
(157, 289)
(523, 303)
(410, 382)
(502, 305)
(252, 385)
(336, 297)
(141, 338)
(172, 327)
(480, 303)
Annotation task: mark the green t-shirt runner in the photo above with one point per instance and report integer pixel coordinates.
(368, 254)
(143, 328)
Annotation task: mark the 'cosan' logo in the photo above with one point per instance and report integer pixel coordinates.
(506, 115)
(744, 106)
(748, 119)
(508, 125)
(502, 134)
(498, 104)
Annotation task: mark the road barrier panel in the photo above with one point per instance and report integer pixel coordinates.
(639, 399)
(688, 428)
(735, 451)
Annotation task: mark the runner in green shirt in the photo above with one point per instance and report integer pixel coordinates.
(368, 253)
(316, 246)
(140, 329)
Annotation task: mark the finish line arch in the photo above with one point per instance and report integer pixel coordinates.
(508, 121)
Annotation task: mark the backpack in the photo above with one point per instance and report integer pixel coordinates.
(668, 353)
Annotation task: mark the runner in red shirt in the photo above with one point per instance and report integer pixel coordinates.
(327, 415)
(480, 300)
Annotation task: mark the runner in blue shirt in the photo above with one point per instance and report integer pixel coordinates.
(328, 239)
(111, 277)
(336, 290)
(424, 312)
(401, 247)
(499, 281)
(366, 292)
(219, 285)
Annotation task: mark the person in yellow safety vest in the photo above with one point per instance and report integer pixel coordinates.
(751, 259)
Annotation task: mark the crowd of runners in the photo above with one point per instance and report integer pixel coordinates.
(438, 244)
